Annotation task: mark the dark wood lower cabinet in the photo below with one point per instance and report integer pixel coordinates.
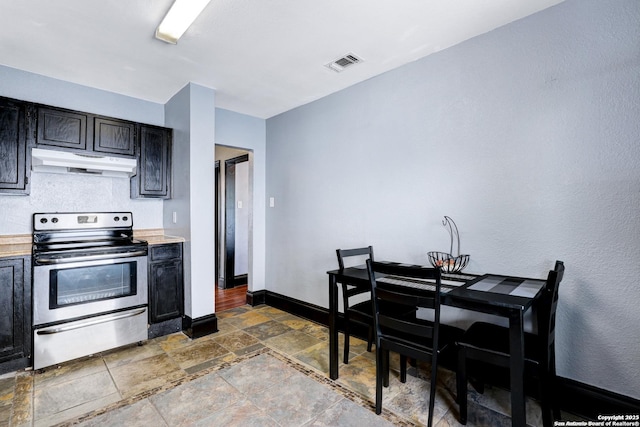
(166, 295)
(15, 313)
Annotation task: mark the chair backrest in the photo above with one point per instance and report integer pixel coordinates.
(359, 256)
(546, 312)
(357, 252)
(400, 332)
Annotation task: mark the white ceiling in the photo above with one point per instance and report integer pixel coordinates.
(262, 57)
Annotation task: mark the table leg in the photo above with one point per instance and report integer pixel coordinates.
(333, 328)
(516, 343)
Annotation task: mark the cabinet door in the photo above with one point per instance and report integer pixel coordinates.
(165, 291)
(14, 176)
(114, 136)
(154, 164)
(12, 306)
(62, 128)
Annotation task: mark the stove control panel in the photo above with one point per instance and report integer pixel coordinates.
(81, 220)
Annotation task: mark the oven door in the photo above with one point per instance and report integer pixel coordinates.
(83, 287)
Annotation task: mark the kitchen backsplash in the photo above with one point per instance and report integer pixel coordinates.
(75, 193)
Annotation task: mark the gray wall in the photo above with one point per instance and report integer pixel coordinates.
(64, 193)
(248, 133)
(526, 136)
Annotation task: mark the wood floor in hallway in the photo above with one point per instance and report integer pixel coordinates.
(230, 298)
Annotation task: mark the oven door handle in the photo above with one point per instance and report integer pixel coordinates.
(90, 257)
(57, 330)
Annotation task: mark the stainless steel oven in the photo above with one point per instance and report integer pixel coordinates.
(89, 285)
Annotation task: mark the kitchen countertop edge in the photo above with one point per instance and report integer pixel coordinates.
(15, 245)
(20, 244)
(156, 236)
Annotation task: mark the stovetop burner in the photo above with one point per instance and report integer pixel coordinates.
(75, 245)
(66, 234)
(92, 247)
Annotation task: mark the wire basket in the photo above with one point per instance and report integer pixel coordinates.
(447, 262)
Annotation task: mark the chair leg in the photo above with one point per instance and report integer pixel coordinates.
(477, 380)
(432, 390)
(385, 367)
(461, 380)
(545, 400)
(346, 341)
(555, 405)
(548, 397)
(403, 368)
(370, 339)
(478, 384)
(379, 378)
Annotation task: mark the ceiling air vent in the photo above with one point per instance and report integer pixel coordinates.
(343, 62)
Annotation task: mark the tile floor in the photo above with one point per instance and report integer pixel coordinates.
(264, 367)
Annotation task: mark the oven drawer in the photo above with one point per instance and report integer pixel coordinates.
(71, 340)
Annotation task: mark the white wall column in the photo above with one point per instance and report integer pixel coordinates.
(191, 114)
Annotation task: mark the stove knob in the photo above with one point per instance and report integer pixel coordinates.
(54, 220)
(43, 220)
(116, 218)
(124, 218)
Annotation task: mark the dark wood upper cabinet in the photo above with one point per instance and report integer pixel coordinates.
(14, 162)
(62, 128)
(114, 136)
(24, 125)
(154, 164)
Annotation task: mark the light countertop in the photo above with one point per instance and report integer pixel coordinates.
(156, 236)
(20, 244)
(15, 245)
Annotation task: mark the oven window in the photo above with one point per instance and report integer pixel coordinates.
(82, 285)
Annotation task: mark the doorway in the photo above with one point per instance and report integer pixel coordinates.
(236, 218)
(233, 213)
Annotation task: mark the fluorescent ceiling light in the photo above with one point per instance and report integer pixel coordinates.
(179, 18)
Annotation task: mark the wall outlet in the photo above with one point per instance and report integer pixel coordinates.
(272, 202)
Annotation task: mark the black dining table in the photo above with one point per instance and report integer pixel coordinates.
(505, 296)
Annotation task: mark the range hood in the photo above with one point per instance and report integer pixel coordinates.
(66, 162)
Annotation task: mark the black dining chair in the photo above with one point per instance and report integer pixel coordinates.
(360, 312)
(410, 336)
(489, 343)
